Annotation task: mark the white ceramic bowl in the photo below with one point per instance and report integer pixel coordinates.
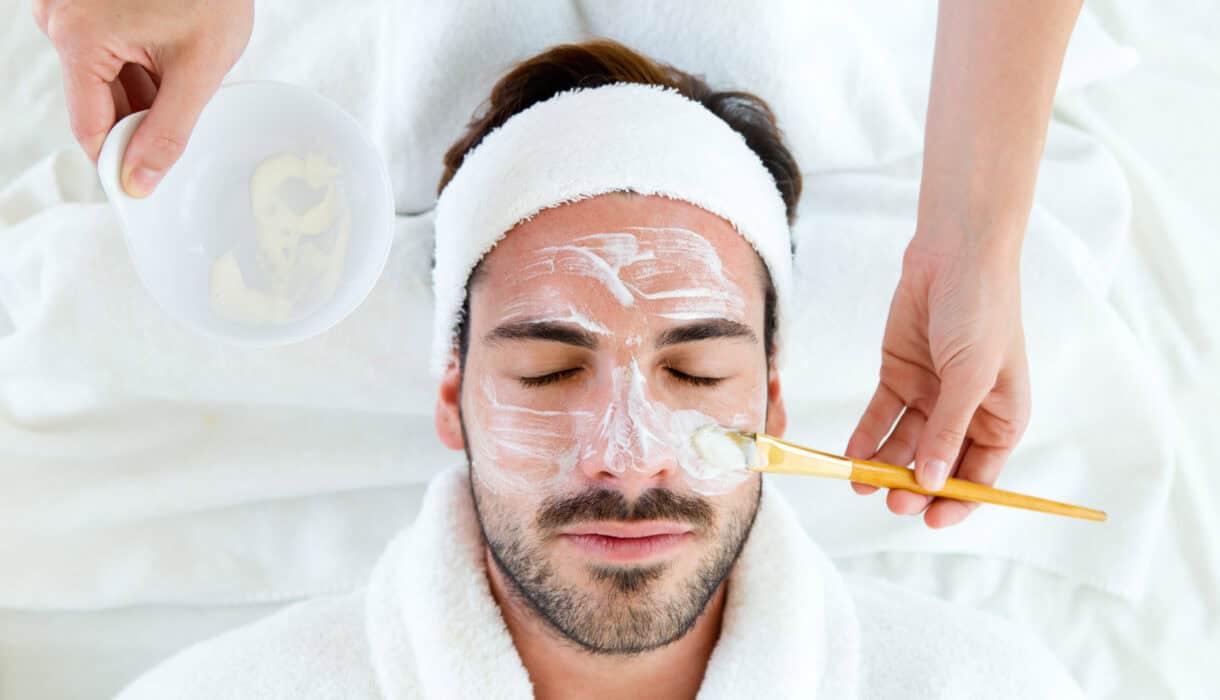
(202, 209)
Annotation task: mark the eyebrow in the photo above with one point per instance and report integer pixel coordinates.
(543, 330)
(706, 330)
(569, 335)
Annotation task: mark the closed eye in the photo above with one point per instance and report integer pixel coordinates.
(553, 377)
(692, 379)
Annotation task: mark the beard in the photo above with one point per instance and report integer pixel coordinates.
(624, 613)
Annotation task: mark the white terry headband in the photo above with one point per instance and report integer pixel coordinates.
(589, 141)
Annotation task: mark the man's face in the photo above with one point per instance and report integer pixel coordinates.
(602, 333)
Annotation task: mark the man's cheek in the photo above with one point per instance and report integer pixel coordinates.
(517, 449)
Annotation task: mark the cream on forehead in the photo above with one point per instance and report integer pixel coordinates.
(558, 309)
(674, 268)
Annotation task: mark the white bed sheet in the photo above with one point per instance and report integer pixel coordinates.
(1163, 645)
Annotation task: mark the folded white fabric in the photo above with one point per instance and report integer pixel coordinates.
(427, 626)
(584, 142)
(853, 76)
(143, 463)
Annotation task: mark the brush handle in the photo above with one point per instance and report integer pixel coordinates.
(777, 456)
(890, 476)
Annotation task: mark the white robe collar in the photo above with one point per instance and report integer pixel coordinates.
(435, 630)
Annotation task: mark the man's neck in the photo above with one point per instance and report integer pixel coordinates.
(560, 669)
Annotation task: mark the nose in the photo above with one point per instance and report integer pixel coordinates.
(630, 446)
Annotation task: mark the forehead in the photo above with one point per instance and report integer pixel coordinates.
(679, 240)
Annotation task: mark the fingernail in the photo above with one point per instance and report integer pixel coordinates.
(142, 181)
(937, 471)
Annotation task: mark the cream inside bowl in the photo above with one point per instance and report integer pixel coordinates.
(273, 226)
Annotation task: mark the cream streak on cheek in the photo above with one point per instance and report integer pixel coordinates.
(515, 447)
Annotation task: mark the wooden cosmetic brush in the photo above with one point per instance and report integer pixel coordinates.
(732, 449)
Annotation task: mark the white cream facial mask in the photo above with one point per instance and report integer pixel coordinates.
(529, 446)
(300, 251)
(724, 450)
(642, 264)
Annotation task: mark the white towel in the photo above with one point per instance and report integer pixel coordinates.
(427, 627)
(142, 463)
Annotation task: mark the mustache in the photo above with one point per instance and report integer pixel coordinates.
(605, 504)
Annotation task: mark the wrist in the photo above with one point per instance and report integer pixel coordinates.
(944, 246)
(972, 215)
(995, 240)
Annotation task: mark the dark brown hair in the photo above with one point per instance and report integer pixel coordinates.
(603, 62)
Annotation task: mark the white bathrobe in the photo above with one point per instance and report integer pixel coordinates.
(427, 626)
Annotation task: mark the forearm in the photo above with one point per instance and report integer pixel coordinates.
(994, 74)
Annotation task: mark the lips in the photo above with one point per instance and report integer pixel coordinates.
(622, 542)
(628, 530)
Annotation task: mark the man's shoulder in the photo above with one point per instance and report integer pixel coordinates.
(313, 649)
(917, 645)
